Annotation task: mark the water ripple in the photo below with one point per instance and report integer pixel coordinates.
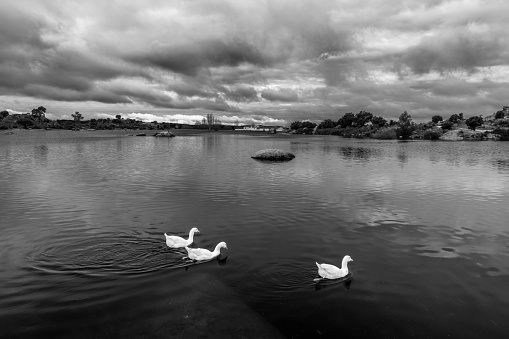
(280, 279)
(106, 256)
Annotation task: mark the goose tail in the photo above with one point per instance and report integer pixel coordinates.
(317, 264)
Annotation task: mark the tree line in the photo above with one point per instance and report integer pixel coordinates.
(365, 124)
(37, 119)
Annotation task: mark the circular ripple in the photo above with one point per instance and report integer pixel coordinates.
(103, 256)
(280, 279)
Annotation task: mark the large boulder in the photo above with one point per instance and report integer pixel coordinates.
(273, 155)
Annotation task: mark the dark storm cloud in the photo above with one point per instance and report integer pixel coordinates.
(285, 94)
(58, 94)
(20, 29)
(215, 105)
(453, 87)
(240, 93)
(191, 89)
(188, 58)
(157, 98)
(460, 51)
(337, 71)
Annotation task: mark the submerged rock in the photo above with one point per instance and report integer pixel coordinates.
(273, 154)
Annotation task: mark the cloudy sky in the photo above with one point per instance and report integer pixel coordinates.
(264, 61)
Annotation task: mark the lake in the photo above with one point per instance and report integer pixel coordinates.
(82, 250)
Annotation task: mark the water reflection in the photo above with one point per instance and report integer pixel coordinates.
(220, 261)
(324, 283)
(86, 236)
(41, 155)
(501, 165)
(359, 153)
(211, 142)
(402, 152)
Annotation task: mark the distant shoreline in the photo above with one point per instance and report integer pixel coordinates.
(196, 132)
(149, 133)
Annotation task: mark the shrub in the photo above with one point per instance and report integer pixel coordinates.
(503, 133)
(432, 134)
(404, 132)
(447, 125)
(385, 134)
(329, 131)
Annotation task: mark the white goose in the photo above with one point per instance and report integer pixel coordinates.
(326, 271)
(204, 254)
(174, 241)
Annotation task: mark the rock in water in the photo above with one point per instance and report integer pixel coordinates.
(273, 154)
(164, 134)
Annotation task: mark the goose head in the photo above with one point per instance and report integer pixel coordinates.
(347, 259)
(195, 230)
(221, 245)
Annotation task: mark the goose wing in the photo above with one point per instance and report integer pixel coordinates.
(198, 253)
(327, 271)
(174, 241)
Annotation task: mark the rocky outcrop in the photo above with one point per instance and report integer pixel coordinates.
(464, 134)
(273, 155)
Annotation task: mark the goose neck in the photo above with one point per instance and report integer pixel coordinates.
(344, 264)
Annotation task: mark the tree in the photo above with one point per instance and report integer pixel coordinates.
(118, 116)
(447, 125)
(3, 114)
(405, 129)
(474, 122)
(454, 118)
(39, 114)
(77, 119)
(500, 115)
(327, 123)
(362, 118)
(210, 120)
(432, 134)
(26, 122)
(300, 125)
(8, 122)
(295, 125)
(346, 120)
(379, 121)
(436, 119)
(405, 119)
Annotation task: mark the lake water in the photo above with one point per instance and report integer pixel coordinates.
(82, 251)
